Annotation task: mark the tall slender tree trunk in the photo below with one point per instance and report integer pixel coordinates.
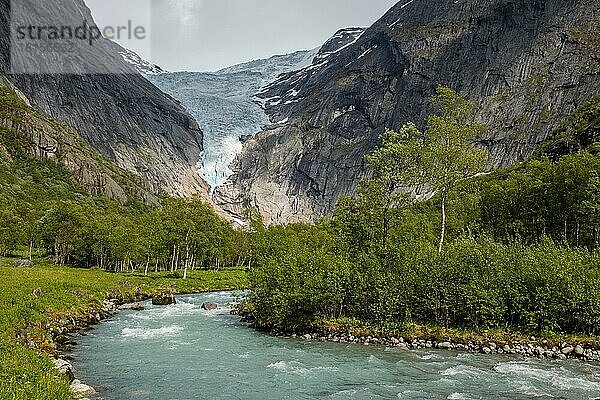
(147, 265)
(173, 259)
(443, 233)
(187, 254)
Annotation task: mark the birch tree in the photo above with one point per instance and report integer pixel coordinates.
(439, 158)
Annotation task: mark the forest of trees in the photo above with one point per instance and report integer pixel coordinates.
(515, 249)
(43, 209)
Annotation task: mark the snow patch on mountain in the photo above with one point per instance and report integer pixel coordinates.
(142, 66)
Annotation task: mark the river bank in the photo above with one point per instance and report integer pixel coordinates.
(538, 348)
(41, 306)
(418, 337)
(186, 351)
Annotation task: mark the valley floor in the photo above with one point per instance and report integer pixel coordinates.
(35, 301)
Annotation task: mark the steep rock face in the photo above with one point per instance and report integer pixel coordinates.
(34, 133)
(142, 66)
(105, 99)
(527, 64)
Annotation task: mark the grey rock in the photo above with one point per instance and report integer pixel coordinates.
(163, 299)
(110, 305)
(80, 389)
(132, 306)
(23, 264)
(65, 368)
(579, 351)
(209, 306)
(486, 350)
(37, 293)
(567, 350)
(336, 109)
(445, 345)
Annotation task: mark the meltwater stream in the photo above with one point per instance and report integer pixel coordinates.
(183, 352)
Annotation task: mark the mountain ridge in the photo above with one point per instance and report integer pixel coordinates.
(527, 65)
(103, 98)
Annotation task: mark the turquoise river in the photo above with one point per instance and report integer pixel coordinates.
(183, 352)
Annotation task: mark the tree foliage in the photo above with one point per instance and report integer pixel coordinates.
(438, 159)
(521, 253)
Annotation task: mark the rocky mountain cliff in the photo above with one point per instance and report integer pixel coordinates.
(142, 66)
(97, 93)
(527, 64)
(26, 131)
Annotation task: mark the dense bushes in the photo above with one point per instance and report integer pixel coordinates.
(473, 283)
(523, 255)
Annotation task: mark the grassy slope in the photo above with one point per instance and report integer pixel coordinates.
(26, 373)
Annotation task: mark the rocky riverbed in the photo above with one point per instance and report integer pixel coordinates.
(61, 332)
(534, 348)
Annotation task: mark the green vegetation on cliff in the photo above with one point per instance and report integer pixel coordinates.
(522, 253)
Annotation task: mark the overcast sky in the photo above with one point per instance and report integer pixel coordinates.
(206, 35)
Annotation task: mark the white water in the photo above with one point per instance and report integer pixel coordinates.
(184, 352)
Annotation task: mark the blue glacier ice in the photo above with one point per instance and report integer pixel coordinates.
(222, 103)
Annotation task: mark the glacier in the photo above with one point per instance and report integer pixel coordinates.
(223, 104)
(229, 104)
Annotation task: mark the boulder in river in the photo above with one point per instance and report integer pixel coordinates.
(65, 368)
(80, 389)
(163, 299)
(132, 306)
(210, 306)
(23, 264)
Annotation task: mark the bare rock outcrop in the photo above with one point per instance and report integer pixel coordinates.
(526, 64)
